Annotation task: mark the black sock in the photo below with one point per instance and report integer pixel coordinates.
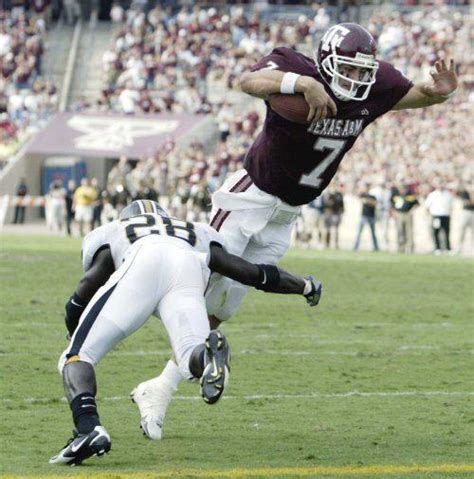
(196, 361)
(84, 413)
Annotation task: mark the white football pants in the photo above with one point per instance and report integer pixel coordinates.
(256, 226)
(156, 278)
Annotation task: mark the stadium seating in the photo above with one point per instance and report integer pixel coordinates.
(26, 99)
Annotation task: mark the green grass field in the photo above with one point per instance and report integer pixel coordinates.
(381, 374)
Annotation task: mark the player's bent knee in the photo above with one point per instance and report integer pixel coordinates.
(64, 360)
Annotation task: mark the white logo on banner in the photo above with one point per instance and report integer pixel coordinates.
(113, 134)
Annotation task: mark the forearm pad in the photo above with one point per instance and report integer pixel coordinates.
(269, 278)
(74, 309)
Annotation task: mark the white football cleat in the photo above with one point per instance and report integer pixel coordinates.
(152, 398)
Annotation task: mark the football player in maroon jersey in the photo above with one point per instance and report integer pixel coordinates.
(290, 164)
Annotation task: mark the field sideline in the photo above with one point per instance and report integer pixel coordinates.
(377, 382)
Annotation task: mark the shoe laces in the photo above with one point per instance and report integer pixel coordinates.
(75, 434)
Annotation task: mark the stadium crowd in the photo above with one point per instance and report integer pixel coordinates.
(180, 62)
(160, 61)
(26, 99)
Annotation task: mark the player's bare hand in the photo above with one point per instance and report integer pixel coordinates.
(320, 103)
(445, 80)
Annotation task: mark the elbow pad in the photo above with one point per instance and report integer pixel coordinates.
(74, 309)
(269, 277)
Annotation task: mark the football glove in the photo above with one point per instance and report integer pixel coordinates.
(312, 290)
(74, 308)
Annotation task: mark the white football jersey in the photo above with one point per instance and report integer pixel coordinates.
(119, 235)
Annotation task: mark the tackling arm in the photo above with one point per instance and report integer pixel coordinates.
(268, 278)
(96, 276)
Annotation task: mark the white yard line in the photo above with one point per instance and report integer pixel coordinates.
(349, 394)
(259, 328)
(403, 350)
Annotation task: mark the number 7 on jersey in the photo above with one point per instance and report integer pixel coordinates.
(313, 179)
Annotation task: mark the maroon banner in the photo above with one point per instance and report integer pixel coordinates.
(103, 134)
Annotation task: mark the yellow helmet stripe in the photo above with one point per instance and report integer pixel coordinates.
(148, 207)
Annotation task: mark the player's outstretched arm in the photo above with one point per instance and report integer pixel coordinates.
(95, 277)
(441, 88)
(263, 83)
(267, 278)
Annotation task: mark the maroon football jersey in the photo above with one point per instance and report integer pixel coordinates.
(295, 162)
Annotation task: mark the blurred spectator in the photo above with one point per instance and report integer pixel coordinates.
(224, 120)
(333, 211)
(21, 191)
(97, 204)
(109, 213)
(467, 220)
(116, 13)
(117, 181)
(72, 11)
(70, 190)
(56, 206)
(439, 204)
(369, 204)
(384, 203)
(404, 204)
(311, 224)
(83, 201)
(199, 203)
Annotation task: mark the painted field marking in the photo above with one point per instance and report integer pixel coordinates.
(253, 397)
(236, 327)
(366, 257)
(271, 472)
(403, 350)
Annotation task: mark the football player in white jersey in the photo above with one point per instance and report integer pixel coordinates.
(162, 266)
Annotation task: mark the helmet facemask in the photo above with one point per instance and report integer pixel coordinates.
(344, 87)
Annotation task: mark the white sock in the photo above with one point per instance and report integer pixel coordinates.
(171, 376)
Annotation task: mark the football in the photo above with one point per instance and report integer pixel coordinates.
(291, 107)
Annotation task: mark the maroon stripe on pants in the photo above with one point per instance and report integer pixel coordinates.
(215, 218)
(221, 222)
(242, 180)
(221, 215)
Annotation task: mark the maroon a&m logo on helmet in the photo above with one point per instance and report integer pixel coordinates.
(344, 46)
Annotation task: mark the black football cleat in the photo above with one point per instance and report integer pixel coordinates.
(216, 367)
(82, 446)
